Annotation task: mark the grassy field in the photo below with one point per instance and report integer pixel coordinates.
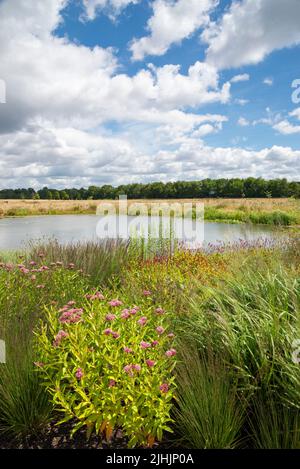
(110, 347)
(259, 211)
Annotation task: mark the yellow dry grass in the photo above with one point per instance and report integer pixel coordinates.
(40, 207)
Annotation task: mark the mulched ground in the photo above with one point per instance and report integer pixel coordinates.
(58, 437)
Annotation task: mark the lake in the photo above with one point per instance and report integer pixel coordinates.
(16, 232)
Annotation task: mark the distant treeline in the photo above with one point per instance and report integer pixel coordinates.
(232, 188)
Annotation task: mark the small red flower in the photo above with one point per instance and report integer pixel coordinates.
(171, 352)
(150, 363)
(79, 373)
(142, 321)
(164, 387)
(145, 345)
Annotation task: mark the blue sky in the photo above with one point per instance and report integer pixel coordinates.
(120, 91)
(132, 23)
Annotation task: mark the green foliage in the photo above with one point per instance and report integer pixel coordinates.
(277, 217)
(24, 404)
(210, 413)
(235, 315)
(250, 323)
(228, 188)
(99, 261)
(96, 381)
(25, 407)
(274, 425)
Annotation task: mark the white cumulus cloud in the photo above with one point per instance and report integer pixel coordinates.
(112, 7)
(171, 22)
(250, 30)
(286, 128)
(239, 78)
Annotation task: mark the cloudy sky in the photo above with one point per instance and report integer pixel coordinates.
(121, 91)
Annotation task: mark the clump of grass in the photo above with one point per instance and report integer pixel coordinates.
(277, 218)
(209, 413)
(245, 215)
(274, 425)
(17, 212)
(251, 321)
(10, 256)
(25, 407)
(100, 261)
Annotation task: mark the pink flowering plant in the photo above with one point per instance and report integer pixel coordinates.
(108, 365)
(27, 286)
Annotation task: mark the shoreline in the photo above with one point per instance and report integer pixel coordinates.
(269, 212)
(227, 221)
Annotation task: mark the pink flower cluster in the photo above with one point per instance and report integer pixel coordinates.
(171, 353)
(115, 303)
(96, 296)
(114, 334)
(160, 330)
(164, 387)
(23, 269)
(110, 317)
(142, 321)
(8, 266)
(79, 373)
(125, 314)
(70, 315)
(59, 337)
(150, 363)
(145, 345)
(130, 369)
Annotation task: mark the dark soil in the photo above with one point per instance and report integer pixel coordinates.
(58, 437)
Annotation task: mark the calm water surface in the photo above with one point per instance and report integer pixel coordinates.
(16, 232)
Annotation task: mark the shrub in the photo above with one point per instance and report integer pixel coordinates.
(110, 367)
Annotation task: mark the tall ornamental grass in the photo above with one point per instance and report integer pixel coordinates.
(210, 411)
(249, 323)
(100, 261)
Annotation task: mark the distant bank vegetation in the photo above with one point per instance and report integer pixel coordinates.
(267, 211)
(206, 188)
